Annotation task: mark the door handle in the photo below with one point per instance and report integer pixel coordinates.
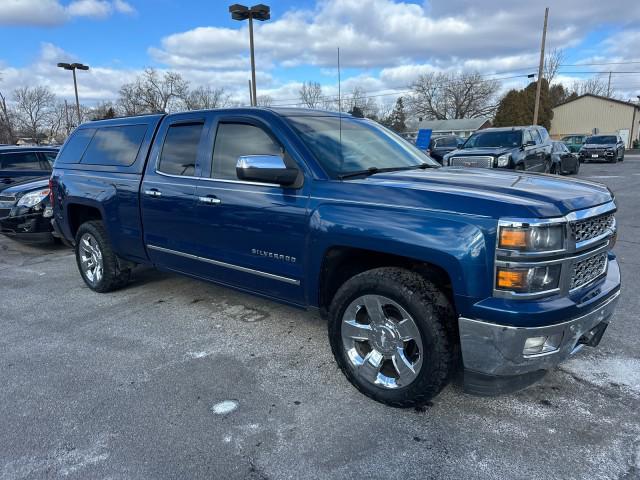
(153, 193)
(210, 200)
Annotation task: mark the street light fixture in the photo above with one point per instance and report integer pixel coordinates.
(73, 67)
(259, 12)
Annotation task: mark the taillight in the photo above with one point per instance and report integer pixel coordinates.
(51, 195)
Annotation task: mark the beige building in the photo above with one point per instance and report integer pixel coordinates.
(589, 114)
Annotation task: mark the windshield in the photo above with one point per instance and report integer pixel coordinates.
(512, 138)
(355, 146)
(602, 140)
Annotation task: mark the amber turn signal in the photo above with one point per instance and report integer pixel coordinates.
(513, 238)
(512, 279)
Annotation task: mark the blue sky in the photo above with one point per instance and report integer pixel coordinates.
(385, 44)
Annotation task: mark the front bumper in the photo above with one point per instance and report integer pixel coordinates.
(596, 156)
(29, 228)
(493, 354)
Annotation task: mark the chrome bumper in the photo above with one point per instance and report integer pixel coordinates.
(496, 350)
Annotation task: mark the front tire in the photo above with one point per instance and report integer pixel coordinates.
(96, 261)
(388, 330)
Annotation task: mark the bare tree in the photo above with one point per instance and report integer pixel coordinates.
(360, 103)
(202, 98)
(444, 96)
(159, 93)
(57, 123)
(129, 103)
(264, 100)
(594, 86)
(552, 63)
(7, 120)
(34, 106)
(311, 95)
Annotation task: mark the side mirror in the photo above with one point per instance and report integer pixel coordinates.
(265, 169)
(530, 143)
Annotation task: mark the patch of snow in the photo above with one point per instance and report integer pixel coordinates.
(225, 407)
(603, 372)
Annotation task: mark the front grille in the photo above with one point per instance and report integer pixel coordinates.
(587, 270)
(476, 162)
(590, 228)
(7, 198)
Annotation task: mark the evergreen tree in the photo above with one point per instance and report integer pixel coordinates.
(398, 117)
(517, 107)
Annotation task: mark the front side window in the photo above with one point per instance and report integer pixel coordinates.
(180, 149)
(352, 145)
(234, 140)
(20, 161)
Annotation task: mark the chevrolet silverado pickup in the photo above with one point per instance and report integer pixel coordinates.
(420, 269)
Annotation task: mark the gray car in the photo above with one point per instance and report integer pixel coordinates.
(609, 148)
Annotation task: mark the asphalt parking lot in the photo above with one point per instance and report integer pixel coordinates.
(131, 385)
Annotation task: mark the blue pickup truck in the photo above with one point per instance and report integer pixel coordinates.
(420, 269)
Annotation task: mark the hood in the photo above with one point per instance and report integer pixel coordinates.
(468, 152)
(19, 188)
(489, 192)
(598, 146)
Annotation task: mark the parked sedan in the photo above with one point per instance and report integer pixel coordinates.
(25, 212)
(609, 148)
(18, 164)
(562, 160)
(440, 146)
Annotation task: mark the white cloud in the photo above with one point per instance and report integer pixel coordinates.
(53, 12)
(32, 12)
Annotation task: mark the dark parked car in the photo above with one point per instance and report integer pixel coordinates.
(574, 142)
(603, 147)
(18, 164)
(562, 160)
(25, 211)
(440, 146)
(518, 148)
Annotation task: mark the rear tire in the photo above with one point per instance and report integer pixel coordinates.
(622, 157)
(96, 261)
(577, 169)
(402, 353)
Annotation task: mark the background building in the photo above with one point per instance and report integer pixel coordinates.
(588, 113)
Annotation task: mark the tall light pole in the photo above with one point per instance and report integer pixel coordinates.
(73, 67)
(540, 68)
(259, 12)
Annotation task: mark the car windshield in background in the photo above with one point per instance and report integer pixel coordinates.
(355, 145)
(494, 139)
(601, 140)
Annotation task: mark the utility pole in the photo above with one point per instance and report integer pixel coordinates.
(540, 68)
(250, 94)
(609, 86)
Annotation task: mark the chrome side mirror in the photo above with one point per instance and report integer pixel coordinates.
(265, 169)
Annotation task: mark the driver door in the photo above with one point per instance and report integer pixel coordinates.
(251, 235)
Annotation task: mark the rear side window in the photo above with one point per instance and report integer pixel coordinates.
(50, 157)
(180, 149)
(76, 145)
(234, 140)
(447, 142)
(20, 161)
(115, 146)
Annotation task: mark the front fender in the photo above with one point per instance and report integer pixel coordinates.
(459, 244)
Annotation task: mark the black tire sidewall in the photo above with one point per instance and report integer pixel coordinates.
(435, 348)
(112, 277)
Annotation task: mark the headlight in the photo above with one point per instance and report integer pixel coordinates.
(528, 280)
(529, 238)
(34, 198)
(503, 160)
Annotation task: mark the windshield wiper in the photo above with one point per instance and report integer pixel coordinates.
(373, 170)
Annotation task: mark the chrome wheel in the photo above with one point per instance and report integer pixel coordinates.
(382, 342)
(90, 258)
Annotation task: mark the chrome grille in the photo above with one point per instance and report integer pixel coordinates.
(589, 269)
(7, 198)
(476, 162)
(590, 228)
